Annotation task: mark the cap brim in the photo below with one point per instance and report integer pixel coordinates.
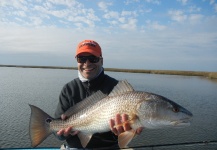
(91, 51)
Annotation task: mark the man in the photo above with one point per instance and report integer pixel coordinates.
(91, 78)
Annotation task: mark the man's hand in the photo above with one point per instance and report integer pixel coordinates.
(121, 125)
(67, 131)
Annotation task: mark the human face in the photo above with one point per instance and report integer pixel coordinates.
(89, 70)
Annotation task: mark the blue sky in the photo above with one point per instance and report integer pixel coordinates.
(135, 34)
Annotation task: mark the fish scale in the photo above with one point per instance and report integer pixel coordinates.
(92, 115)
(117, 105)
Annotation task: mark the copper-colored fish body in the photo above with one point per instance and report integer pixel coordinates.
(92, 115)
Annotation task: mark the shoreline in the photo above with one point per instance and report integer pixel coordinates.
(211, 75)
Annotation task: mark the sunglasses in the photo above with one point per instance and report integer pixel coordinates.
(92, 59)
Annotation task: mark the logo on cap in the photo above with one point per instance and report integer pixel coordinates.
(88, 43)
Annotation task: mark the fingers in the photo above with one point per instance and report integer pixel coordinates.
(63, 117)
(60, 132)
(139, 130)
(64, 132)
(112, 124)
(67, 131)
(119, 124)
(126, 126)
(74, 133)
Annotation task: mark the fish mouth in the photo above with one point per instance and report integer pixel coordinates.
(182, 122)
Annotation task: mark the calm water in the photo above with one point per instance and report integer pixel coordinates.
(41, 87)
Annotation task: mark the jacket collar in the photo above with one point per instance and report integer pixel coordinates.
(92, 84)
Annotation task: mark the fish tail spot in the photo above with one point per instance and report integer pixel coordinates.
(48, 120)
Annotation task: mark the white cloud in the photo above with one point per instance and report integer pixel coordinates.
(184, 2)
(18, 19)
(56, 26)
(176, 43)
(48, 5)
(128, 13)
(19, 4)
(212, 2)
(194, 9)
(215, 7)
(36, 21)
(155, 25)
(76, 18)
(153, 1)
(67, 3)
(104, 5)
(15, 39)
(130, 24)
(59, 13)
(38, 1)
(46, 13)
(122, 19)
(177, 15)
(116, 15)
(195, 18)
(113, 22)
(20, 13)
(125, 20)
(111, 14)
(90, 14)
(181, 17)
(127, 2)
(40, 9)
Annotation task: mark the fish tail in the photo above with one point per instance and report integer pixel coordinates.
(39, 127)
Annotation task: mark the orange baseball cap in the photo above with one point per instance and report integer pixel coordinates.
(89, 46)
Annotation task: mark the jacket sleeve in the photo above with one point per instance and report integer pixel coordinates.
(72, 93)
(63, 103)
(68, 97)
(62, 106)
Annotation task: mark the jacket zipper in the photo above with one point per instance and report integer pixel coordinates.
(88, 89)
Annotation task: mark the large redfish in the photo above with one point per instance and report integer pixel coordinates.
(92, 115)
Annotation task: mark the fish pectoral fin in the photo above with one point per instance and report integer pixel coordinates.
(125, 138)
(84, 138)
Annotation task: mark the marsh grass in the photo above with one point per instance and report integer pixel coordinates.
(211, 75)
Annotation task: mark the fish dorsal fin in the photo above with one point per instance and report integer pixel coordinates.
(120, 88)
(84, 138)
(89, 101)
(125, 138)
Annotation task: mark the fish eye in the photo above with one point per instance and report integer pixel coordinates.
(175, 109)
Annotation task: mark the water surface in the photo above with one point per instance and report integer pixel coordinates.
(41, 87)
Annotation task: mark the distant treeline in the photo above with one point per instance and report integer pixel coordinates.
(212, 75)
